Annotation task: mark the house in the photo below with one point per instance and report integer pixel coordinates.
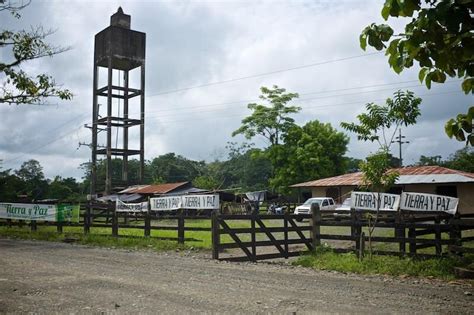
(423, 179)
(142, 192)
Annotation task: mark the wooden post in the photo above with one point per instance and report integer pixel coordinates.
(362, 246)
(181, 227)
(59, 227)
(253, 236)
(438, 236)
(455, 234)
(33, 225)
(147, 231)
(316, 227)
(87, 218)
(115, 224)
(412, 236)
(400, 232)
(215, 234)
(285, 226)
(356, 229)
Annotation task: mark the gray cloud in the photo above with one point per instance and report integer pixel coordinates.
(194, 43)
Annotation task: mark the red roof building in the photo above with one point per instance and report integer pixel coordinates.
(423, 179)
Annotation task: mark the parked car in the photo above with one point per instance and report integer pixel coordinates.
(346, 205)
(325, 203)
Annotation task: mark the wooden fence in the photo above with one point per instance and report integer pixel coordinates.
(105, 216)
(253, 237)
(418, 231)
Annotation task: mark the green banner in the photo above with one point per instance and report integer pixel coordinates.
(68, 213)
(39, 212)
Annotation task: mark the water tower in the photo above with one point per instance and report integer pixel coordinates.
(117, 51)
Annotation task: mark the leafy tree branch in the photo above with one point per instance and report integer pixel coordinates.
(19, 87)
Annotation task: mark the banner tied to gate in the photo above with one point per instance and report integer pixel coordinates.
(197, 202)
(428, 202)
(121, 206)
(374, 201)
(39, 212)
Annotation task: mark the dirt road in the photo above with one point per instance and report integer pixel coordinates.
(53, 277)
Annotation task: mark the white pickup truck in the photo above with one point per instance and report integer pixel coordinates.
(325, 203)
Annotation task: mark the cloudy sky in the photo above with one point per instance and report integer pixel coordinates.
(206, 60)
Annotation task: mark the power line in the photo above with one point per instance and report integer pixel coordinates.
(44, 145)
(263, 74)
(308, 93)
(306, 107)
(227, 116)
(296, 100)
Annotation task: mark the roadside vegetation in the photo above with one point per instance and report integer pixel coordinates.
(325, 258)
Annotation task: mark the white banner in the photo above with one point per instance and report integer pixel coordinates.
(25, 211)
(209, 202)
(121, 206)
(370, 201)
(165, 203)
(428, 202)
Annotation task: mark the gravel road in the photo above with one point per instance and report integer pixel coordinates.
(44, 277)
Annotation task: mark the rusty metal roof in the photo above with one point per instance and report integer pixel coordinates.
(408, 175)
(153, 189)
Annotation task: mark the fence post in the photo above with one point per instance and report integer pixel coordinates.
(438, 236)
(9, 223)
(181, 227)
(316, 225)
(285, 226)
(253, 236)
(362, 246)
(400, 232)
(412, 236)
(354, 229)
(147, 227)
(33, 225)
(147, 231)
(87, 218)
(59, 227)
(215, 234)
(455, 234)
(115, 224)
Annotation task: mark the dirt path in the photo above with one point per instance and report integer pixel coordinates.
(53, 277)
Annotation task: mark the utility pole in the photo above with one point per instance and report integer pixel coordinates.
(400, 142)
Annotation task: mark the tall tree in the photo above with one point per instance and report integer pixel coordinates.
(380, 124)
(439, 38)
(429, 160)
(10, 186)
(272, 121)
(31, 173)
(462, 160)
(172, 168)
(19, 47)
(313, 151)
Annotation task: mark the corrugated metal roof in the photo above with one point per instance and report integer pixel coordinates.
(153, 189)
(408, 175)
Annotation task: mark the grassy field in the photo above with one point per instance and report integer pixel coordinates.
(324, 258)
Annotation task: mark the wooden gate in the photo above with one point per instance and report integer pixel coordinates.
(251, 232)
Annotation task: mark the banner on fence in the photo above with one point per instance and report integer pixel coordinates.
(373, 201)
(428, 202)
(68, 213)
(39, 212)
(198, 202)
(121, 206)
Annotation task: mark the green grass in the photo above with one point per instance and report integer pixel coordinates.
(326, 259)
(98, 237)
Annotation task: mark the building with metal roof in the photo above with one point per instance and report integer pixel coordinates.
(424, 179)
